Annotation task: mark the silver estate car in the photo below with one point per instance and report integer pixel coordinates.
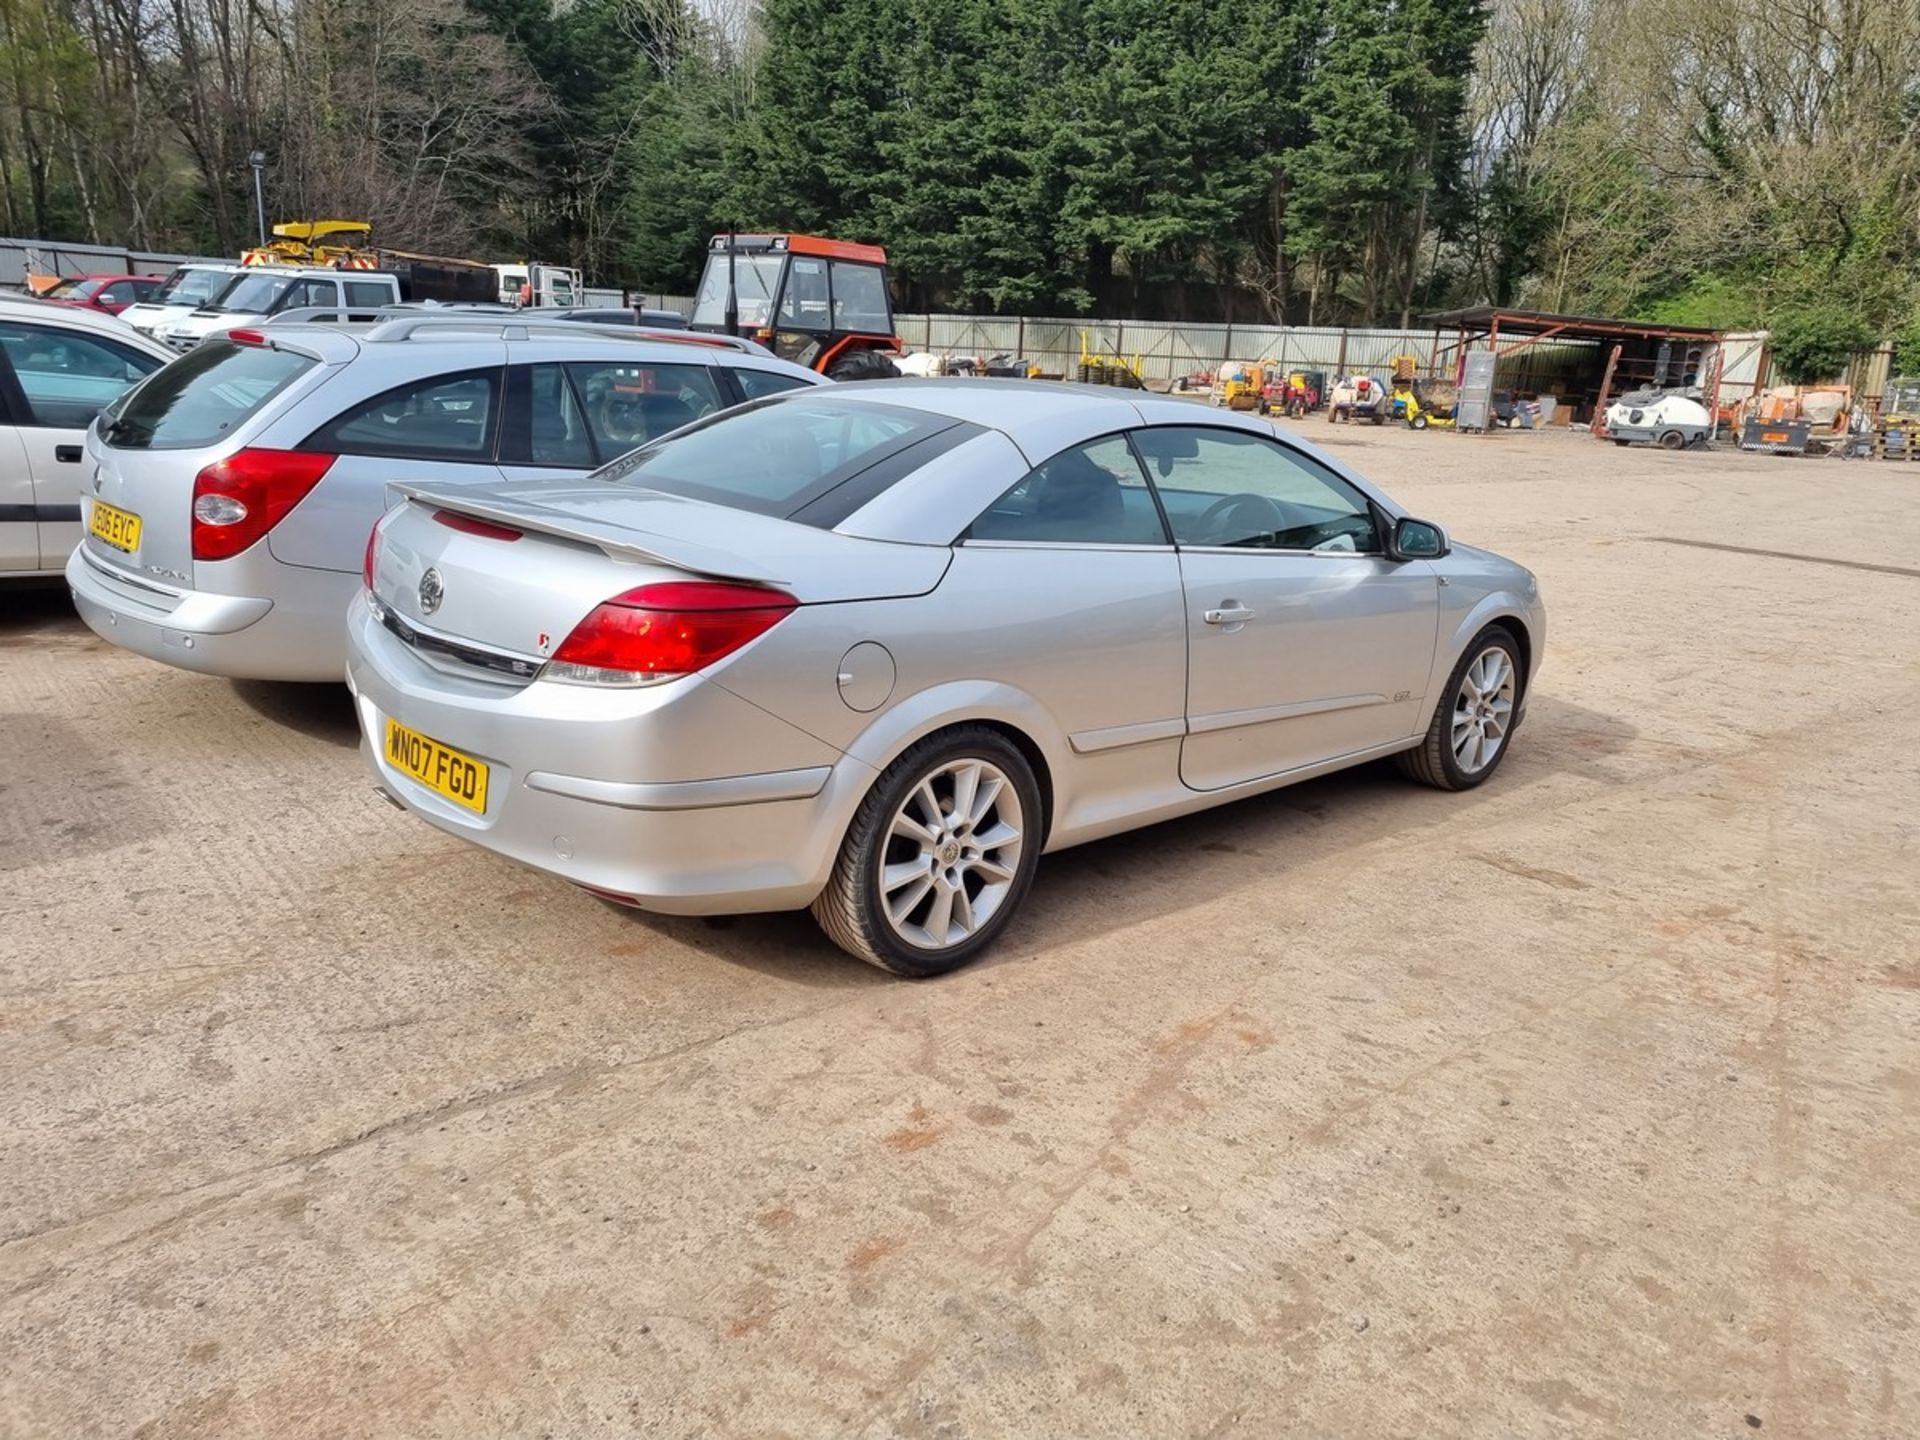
(229, 498)
(872, 649)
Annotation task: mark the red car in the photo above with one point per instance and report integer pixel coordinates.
(111, 293)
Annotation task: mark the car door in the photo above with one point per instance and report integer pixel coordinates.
(1304, 641)
(19, 522)
(441, 427)
(1071, 593)
(55, 381)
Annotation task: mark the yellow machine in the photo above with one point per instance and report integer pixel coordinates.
(1410, 403)
(1240, 384)
(337, 243)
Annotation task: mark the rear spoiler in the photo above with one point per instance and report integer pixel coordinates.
(817, 566)
(681, 554)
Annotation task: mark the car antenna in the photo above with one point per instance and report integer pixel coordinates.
(733, 295)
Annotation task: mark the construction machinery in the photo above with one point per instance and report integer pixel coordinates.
(1413, 402)
(1295, 393)
(1671, 419)
(1358, 397)
(817, 302)
(336, 243)
(1241, 384)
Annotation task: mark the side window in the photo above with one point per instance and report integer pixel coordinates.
(68, 378)
(1230, 488)
(118, 293)
(445, 417)
(145, 289)
(803, 304)
(758, 383)
(366, 294)
(860, 298)
(628, 404)
(1093, 494)
(543, 424)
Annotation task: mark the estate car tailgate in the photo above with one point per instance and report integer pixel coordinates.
(814, 566)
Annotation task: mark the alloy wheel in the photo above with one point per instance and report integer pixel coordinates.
(1483, 710)
(951, 853)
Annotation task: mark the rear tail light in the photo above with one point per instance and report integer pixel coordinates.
(246, 337)
(241, 498)
(658, 632)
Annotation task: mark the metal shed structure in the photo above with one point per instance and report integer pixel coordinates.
(1595, 357)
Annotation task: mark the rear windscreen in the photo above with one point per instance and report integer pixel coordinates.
(201, 398)
(776, 456)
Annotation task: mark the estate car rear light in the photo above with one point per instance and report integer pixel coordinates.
(241, 498)
(661, 632)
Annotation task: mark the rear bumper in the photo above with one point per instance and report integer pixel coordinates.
(630, 826)
(297, 635)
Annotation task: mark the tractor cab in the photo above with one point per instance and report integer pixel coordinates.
(819, 303)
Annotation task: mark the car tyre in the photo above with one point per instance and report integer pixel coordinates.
(1453, 755)
(854, 911)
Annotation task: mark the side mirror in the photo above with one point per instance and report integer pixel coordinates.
(1417, 540)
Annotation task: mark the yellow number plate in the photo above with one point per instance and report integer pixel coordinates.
(119, 528)
(460, 778)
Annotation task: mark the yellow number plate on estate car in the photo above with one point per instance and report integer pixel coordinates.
(443, 770)
(119, 528)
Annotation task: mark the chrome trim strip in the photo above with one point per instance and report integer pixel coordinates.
(492, 664)
(118, 576)
(1115, 737)
(687, 794)
(1261, 715)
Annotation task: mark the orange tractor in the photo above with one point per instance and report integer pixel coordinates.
(819, 303)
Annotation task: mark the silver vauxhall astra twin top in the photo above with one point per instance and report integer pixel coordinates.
(872, 649)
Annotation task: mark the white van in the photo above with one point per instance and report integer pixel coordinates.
(260, 291)
(186, 290)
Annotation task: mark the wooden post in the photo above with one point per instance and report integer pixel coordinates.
(1606, 387)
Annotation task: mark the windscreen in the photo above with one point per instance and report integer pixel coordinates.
(774, 457)
(192, 285)
(253, 293)
(201, 398)
(74, 289)
(755, 278)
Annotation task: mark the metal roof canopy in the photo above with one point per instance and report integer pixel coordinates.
(1539, 323)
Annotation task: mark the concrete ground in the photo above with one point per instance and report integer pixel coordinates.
(1587, 1103)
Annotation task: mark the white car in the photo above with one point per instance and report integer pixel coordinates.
(185, 291)
(59, 367)
(261, 291)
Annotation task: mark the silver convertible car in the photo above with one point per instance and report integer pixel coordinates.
(873, 648)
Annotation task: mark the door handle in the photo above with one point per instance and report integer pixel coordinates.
(68, 454)
(1231, 615)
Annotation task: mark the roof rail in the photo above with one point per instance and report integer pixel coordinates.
(404, 327)
(338, 314)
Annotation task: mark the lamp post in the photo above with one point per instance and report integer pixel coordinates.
(258, 160)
